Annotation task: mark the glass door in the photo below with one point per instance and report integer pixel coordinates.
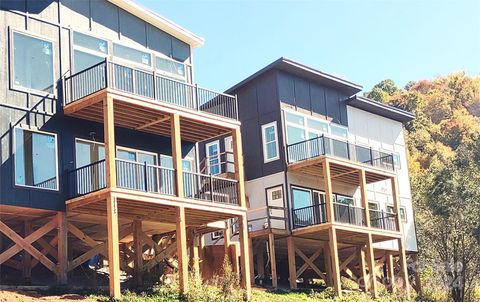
(302, 210)
(213, 157)
(89, 155)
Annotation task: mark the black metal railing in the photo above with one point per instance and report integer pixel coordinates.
(145, 177)
(86, 179)
(323, 145)
(209, 187)
(148, 84)
(311, 215)
(383, 220)
(346, 213)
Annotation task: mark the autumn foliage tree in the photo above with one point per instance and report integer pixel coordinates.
(444, 162)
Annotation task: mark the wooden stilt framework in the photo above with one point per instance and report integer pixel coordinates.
(32, 255)
(273, 259)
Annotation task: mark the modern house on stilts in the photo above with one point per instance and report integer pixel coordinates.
(326, 180)
(100, 120)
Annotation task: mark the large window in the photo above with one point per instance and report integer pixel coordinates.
(133, 55)
(171, 68)
(36, 159)
(32, 63)
(88, 51)
(403, 212)
(213, 155)
(270, 142)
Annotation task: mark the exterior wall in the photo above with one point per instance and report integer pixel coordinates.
(381, 133)
(55, 20)
(308, 97)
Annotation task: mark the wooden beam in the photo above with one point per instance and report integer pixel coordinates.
(238, 162)
(53, 242)
(403, 267)
(309, 262)
(138, 250)
(158, 121)
(363, 197)
(363, 281)
(196, 255)
(109, 141)
(390, 273)
(181, 239)
(177, 153)
(337, 285)
(201, 252)
(273, 259)
(227, 240)
(27, 258)
(62, 248)
(261, 260)
(292, 267)
(328, 264)
(113, 248)
(244, 257)
(252, 271)
(371, 267)
(328, 191)
(347, 261)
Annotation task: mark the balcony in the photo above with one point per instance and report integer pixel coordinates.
(148, 85)
(138, 177)
(323, 145)
(344, 214)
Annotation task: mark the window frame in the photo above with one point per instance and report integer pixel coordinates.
(264, 143)
(127, 149)
(11, 69)
(87, 50)
(405, 219)
(219, 165)
(14, 149)
(167, 74)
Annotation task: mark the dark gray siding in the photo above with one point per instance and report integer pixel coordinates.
(305, 95)
(98, 17)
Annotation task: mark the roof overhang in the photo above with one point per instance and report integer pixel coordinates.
(381, 109)
(159, 22)
(306, 72)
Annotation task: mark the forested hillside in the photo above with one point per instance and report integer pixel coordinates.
(444, 162)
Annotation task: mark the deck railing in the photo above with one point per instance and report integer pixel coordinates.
(153, 179)
(50, 183)
(346, 213)
(149, 84)
(311, 215)
(86, 179)
(209, 187)
(323, 145)
(383, 220)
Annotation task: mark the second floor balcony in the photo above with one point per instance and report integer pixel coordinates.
(152, 179)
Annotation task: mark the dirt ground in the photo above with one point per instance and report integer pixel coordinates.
(32, 296)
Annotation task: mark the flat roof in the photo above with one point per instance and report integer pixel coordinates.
(160, 22)
(381, 109)
(304, 71)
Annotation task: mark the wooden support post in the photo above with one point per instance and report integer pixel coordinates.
(328, 264)
(252, 271)
(27, 258)
(196, 255)
(177, 152)
(273, 260)
(418, 283)
(238, 161)
(403, 267)
(261, 261)
(364, 199)
(201, 252)
(109, 138)
(328, 191)
(62, 248)
(181, 240)
(363, 270)
(292, 267)
(227, 241)
(396, 204)
(371, 267)
(332, 234)
(138, 251)
(390, 273)
(113, 247)
(244, 257)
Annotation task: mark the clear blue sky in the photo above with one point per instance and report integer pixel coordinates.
(361, 41)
